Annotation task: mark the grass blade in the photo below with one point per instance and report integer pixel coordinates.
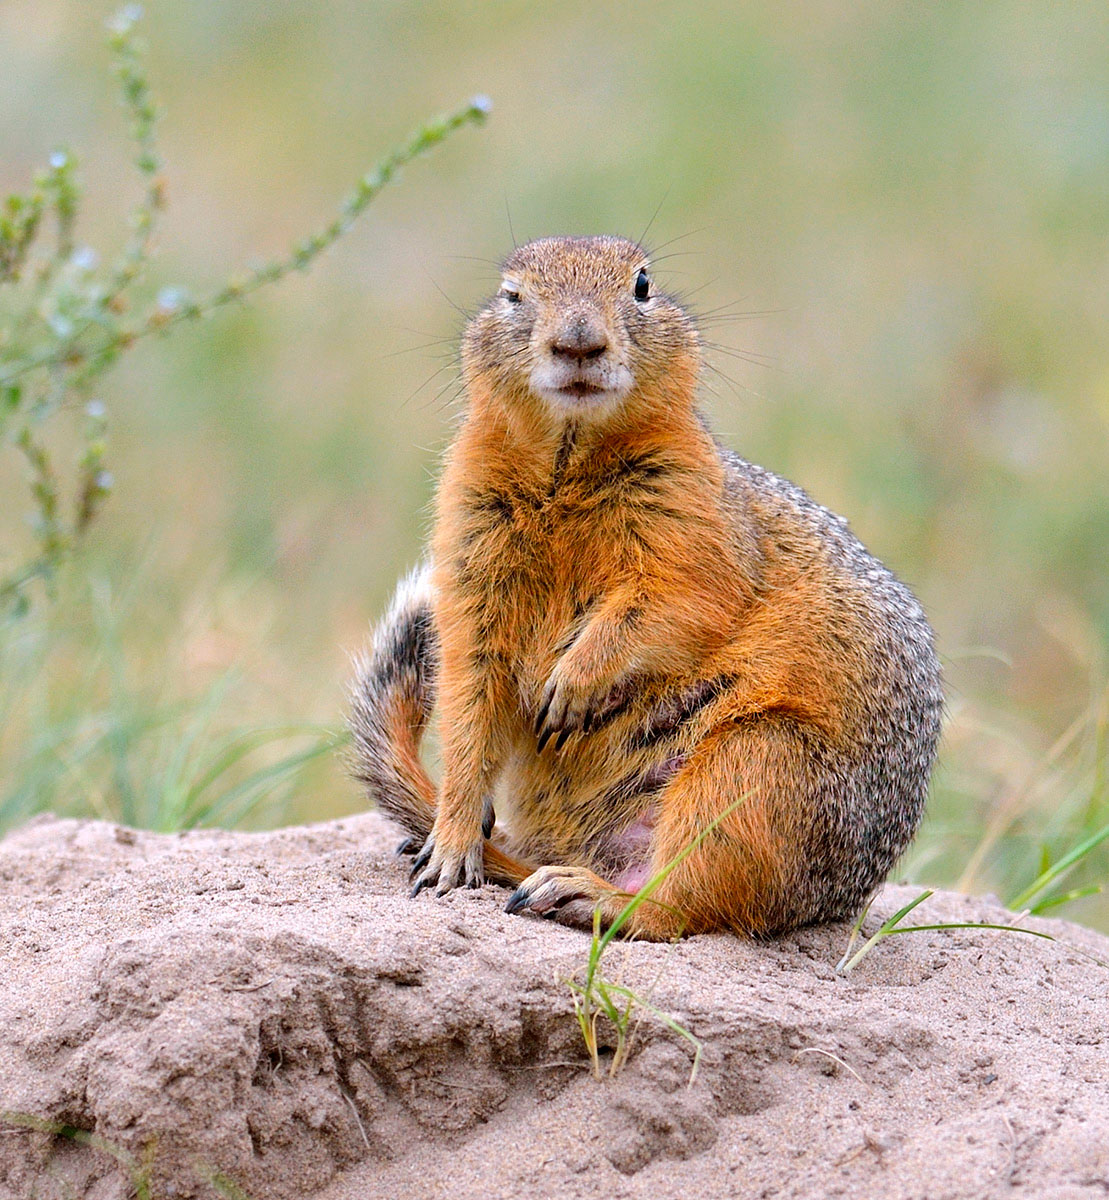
(1046, 878)
(844, 965)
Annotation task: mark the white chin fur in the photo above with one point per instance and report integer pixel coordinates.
(552, 386)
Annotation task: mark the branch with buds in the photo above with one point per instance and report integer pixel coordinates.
(63, 320)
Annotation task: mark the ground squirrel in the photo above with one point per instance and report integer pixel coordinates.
(627, 627)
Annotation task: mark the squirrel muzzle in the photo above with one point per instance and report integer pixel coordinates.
(578, 362)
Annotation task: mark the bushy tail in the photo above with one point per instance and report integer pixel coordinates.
(392, 695)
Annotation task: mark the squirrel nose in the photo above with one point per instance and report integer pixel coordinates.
(580, 339)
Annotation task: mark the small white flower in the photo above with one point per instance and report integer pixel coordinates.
(126, 19)
(85, 258)
(170, 299)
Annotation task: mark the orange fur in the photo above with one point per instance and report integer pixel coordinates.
(595, 565)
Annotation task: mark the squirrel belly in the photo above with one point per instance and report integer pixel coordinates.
(629, 631)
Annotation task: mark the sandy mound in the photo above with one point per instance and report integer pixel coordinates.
(274, 1007)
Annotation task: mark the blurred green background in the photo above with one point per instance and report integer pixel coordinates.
(903, 210)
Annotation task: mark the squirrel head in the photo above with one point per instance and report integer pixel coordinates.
(579, 327)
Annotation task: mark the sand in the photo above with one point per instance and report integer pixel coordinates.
(274, 1007)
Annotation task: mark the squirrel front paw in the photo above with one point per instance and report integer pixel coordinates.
(441, 868)
(569, 706)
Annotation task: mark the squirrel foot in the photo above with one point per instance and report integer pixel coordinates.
(569, 895)
(443, 869)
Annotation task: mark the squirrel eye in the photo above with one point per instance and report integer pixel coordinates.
(642, 286)
(513, 297)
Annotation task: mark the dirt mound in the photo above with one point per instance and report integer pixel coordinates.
(274, 1008)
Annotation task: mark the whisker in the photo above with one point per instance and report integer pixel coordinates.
(474, 258)
(658, 209)
(453, 401)
(652, 250)
(656, 259)
(433, 401)
(735, 388)
(457, 307)
(765, 365)
(740, 390)
(439, 341)
(685, 297)
(448, 366)
(771, 362)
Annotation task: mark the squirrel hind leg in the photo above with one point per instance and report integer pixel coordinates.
(758, 872)
(568, 895)
(778, 859)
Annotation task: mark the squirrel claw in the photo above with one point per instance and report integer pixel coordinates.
(422, 859)
(565, 710)
(567, 895)
(545, 708)
(444, 870)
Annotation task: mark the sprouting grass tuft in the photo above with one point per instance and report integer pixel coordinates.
(138, 1171)
(597, 996)
(1052, 872)
(224, 1185)
(892, 925)
(1044, 823)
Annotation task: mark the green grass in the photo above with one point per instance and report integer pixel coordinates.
(65, 320)
(903, 210)
(1026, 819)
(95, 742)
(101, 742)
(1052, 872)
(139, 1171)
(892, 926)
(595, 995)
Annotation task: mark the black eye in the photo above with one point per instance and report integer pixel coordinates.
(642, 286)
(509, 295)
